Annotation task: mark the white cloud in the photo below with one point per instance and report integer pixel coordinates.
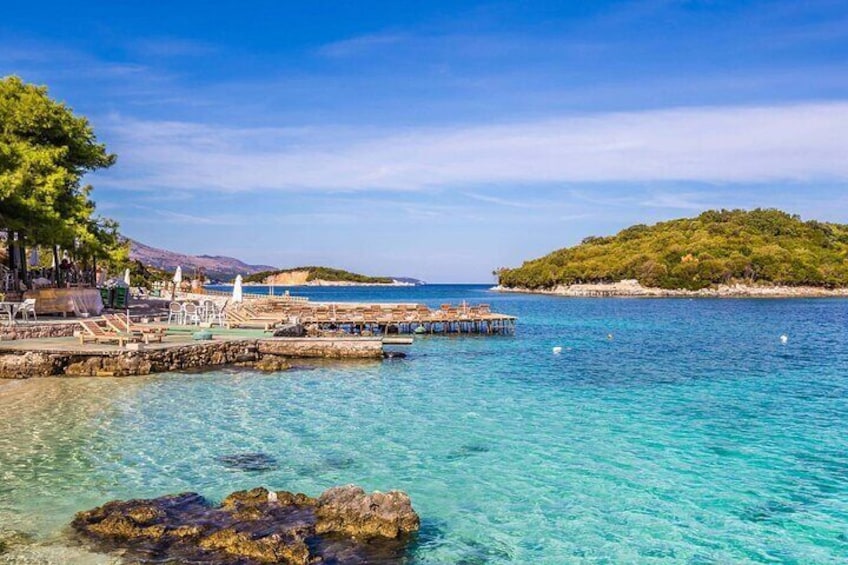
(804, 142)
(505, 201)
(359, 45)
(171, 47)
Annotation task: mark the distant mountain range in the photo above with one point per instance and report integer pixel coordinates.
(214, 266)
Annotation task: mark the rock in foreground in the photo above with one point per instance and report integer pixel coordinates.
(343, 525)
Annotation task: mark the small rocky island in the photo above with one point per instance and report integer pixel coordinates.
(719, 253)
(343, 525)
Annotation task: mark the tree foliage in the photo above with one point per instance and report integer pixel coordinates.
(45, 151)
(762, 246)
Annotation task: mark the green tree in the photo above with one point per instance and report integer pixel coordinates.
(45, 151)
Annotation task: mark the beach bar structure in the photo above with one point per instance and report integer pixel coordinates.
(373, 318)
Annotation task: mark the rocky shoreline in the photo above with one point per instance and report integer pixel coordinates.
(258, 526)
(632, 288)
(270, 354)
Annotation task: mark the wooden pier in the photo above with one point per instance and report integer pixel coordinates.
(373, 319)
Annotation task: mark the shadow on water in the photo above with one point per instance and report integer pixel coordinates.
(476, 552)
(253, 462)
(430, 535)
(769, 511)
(325, 464)
(466, 451)
(434, 535)
(339, 550)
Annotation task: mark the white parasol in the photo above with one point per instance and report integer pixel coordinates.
(237, 293)
(178, 278)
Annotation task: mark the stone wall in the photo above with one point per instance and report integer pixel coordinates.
(36, 331)
(266, 354)
(336, 348)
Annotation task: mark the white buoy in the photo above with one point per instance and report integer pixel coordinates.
(784, 339)
(557, 350)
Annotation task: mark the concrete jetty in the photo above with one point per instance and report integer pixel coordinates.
(65, 356)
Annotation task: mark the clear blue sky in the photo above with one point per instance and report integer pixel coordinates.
(441, 140)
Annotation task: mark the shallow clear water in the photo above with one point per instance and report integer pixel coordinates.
(667, 431)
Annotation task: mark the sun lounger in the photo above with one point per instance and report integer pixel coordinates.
(119, 324)
(240, 319)
(92, 331)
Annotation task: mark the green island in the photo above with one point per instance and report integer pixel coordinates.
(313, 273)
(718, 247)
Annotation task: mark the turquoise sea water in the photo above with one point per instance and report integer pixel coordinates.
(667, 431)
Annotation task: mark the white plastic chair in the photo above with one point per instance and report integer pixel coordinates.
(26, 308)
(207, 310)
(218, 315)
(175, 312)
(190, 313)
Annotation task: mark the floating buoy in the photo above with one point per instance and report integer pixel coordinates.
(609, 336)
(557, 350)
(784, 339)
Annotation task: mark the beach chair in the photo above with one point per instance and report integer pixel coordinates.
(259, 318)
(26, 308)
(191, 313)
(216, 314)
(239, 319)
(423, 313)
(146, 333)
(234, 318)
(92, 331)
(207, 310)
(175, 312)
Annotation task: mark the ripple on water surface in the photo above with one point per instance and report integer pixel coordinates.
(693, 435)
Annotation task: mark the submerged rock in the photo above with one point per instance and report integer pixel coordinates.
(272, 363)
(11, 538)
(343, 525)
(254, 462)
(394, 355)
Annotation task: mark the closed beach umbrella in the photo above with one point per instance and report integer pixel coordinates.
(127, 277)
(178, 278)
(33, 257)
(237, 294)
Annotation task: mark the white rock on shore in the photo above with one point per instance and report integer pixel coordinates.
(631, 287)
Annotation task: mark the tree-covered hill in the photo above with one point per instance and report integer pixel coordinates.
(321, 274)
(719, 246)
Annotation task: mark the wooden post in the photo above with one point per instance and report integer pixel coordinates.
(56, 269)
(22, 275)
